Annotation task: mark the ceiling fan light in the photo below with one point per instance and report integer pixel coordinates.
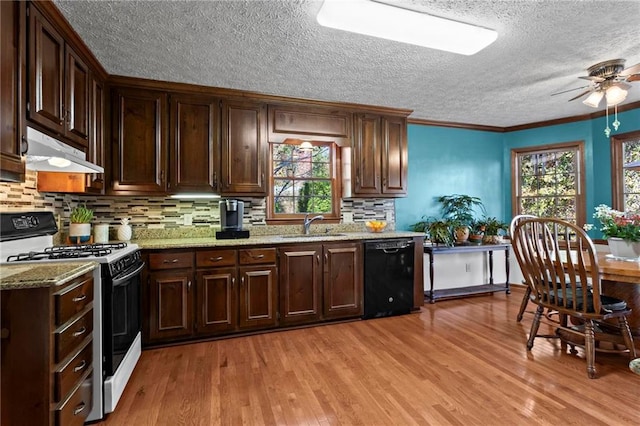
(407, 26)
(593, 100)
(615, 95)
(306, 146)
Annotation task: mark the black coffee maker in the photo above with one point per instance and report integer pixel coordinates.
(231, 212)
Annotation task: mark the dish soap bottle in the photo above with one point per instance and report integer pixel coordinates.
(124, 230)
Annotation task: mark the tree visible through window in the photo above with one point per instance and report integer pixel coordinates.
(303, 181)
(548, 182)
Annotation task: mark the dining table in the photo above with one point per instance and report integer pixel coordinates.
(621, 279)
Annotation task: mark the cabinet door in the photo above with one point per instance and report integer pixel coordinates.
(258, 296)
(394, 156)
(343, 284)
(11, 131)
(171, 305)
(139, 141)
(216, 300)
(96, 151)
(300, 272)
(46, 73)
(195, 147)
(366, 155)
(244, 148)
(77, 86)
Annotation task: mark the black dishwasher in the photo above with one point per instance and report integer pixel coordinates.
(388, 277)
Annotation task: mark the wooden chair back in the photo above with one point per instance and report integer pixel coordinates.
(557, 260)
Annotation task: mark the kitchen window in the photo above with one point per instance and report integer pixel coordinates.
(625, 166)
(303, 181)
(548, 181)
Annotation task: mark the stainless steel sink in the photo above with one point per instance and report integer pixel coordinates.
(313, 235)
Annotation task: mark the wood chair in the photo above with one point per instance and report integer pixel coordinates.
(527, 290)
(555, 257)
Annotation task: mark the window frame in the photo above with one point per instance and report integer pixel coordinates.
(580, 196)
(336, 186)
(617, 177)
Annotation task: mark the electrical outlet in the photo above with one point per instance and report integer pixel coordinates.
(389, 216)
(188, 219)
(347, 217)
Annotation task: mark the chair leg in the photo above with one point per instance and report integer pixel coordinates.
(626, 335)
(534, 327)
(523, 304)
(589, 348)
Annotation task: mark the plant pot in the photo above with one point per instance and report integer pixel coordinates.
(624, 249)
(79, 233)
(461, 234)
(492, 239)
(475, 239)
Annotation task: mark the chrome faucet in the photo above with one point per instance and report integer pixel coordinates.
(307, 222)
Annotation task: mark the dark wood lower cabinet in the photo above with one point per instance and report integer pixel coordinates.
(171, 313)
(211, 292)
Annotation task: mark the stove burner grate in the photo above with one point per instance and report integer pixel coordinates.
(68, 252)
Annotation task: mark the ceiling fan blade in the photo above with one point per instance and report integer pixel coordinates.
(635, 69)
(570, 90)
(592, 78)
(580, 95)
(634, 77)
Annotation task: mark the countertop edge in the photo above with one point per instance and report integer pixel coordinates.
(42, 274)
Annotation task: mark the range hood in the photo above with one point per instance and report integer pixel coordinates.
(47, 154)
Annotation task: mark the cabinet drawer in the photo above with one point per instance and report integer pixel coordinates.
(75, 410)
(209, 258)
(74, 298)
(67, 376)
(69, 336)
(170, 260)
(257, 256)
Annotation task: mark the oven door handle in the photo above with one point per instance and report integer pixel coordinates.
(120, 280)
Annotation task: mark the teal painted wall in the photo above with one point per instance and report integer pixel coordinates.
(446, 161)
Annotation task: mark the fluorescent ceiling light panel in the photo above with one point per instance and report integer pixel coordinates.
(404, 25)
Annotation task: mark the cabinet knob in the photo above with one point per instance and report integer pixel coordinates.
(189, 285)
(242, 281)
(233, 282)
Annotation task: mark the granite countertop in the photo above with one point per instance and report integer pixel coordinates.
(22, 275)
(169, 243)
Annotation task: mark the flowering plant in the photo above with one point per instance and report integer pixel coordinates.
(618, 224)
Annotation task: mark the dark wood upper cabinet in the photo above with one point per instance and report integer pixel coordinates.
(96, 148)
(380, 156)
(195, 144)
(312, 123)
(59, 82)
(244, 148)
(12, 14)
(139, 141)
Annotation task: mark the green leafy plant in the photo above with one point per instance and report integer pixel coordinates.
(81, 214)
(490, 226)
(459, 208)
(437, 230)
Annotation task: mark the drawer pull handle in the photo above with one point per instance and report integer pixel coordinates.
(171, 261)
(80, 366)
(216, 259)
(79, 408)
(79, 298)
(80, 332)
(258, 256)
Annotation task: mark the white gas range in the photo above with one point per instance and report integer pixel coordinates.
(26, 237)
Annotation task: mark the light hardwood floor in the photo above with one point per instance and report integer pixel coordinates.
(459, 362)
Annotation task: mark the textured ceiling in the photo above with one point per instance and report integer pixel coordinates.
(277, 47)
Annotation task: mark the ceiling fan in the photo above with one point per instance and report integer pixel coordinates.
(608, 79)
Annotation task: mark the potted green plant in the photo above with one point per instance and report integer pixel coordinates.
(492, 228)
(459, 209)
(437, 230)
(80, 226)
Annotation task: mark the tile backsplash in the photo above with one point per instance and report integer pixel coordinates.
(160, 212)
